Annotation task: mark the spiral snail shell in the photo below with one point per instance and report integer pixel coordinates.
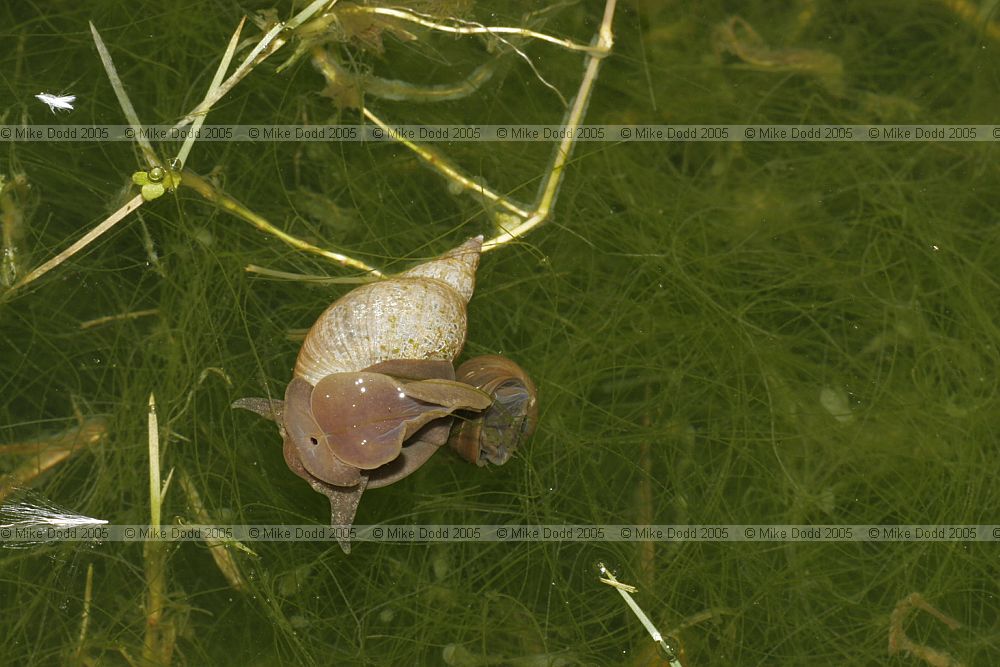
(418, 314)
(374, 387)
(493, 435)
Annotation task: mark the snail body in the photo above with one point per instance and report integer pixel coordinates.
(350, 423)
(374, 389)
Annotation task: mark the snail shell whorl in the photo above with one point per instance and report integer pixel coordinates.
(419, 314)
(456, 268)
(494, 434)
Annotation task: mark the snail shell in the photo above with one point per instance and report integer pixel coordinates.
(493, 435)
(418, 314)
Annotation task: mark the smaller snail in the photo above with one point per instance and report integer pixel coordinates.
(493, 435)
(374, 391)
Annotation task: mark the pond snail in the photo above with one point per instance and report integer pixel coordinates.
(375, 392)
(494, 434)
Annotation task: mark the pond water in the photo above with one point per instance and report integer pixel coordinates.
(754, 329)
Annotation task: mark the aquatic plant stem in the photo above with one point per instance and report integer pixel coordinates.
(549, 189)
(123, 99)
(227, 57)
(88, 594)
(626, 592)
(131, 315)
(268, 44)
(158, 642)
(522, 219)
(154, 465)
(460, 27)
(218, 549)
(79, 245)
(50, 452)
(644, 491)
(208, 191)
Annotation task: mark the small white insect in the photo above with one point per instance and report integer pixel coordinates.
(57, 101)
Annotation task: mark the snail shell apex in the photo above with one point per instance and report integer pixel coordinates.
(418, 314)
(456, 268)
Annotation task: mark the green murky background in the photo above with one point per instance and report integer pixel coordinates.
(721, 333)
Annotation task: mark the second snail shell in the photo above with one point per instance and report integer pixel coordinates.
(494, 434)
(418, 314)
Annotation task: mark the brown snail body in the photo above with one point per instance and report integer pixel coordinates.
(374, 388)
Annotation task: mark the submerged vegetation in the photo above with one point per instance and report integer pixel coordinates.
(721, 333)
